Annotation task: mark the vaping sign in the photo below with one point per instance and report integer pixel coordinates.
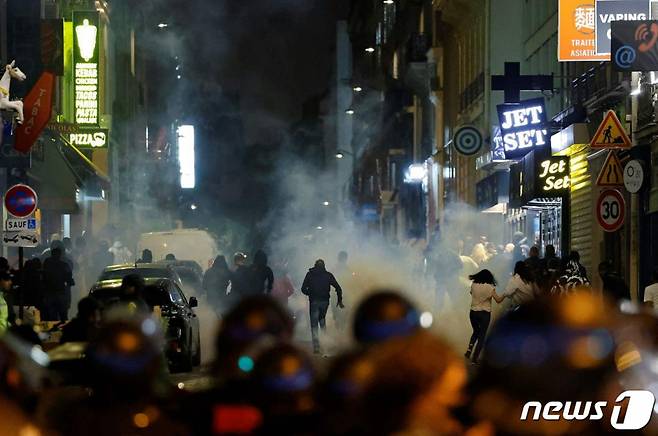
(608, 11)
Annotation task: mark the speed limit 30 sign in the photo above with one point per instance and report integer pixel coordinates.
(610, 210)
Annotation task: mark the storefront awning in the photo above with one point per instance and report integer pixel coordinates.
(89, 178)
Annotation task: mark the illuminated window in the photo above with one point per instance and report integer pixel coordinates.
(186, 156)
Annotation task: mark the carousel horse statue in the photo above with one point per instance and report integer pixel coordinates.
(5, 103)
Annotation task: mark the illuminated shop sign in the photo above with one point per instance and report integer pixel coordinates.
(539, 176)
(553, 177)
(85, 67)
(89, 138)
(523, 127)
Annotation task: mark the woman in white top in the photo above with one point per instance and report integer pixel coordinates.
(483, 290)
(521, 288)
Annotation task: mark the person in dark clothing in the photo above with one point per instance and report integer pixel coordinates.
(132, 288)
(147, 256)
(260, 275)
(58, 279)
(4, 264)
(101, 259)
(32, 287)
(534, 263)
(614, 286)
(550, 269)
(170, 257)
(239, 278)
(84, 325)
(316, 286)
(215, 283)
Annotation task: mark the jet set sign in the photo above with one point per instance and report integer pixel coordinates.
(523, 127)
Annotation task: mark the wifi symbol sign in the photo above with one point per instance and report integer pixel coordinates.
(646, 36)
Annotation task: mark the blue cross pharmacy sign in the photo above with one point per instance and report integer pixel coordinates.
(523, 127)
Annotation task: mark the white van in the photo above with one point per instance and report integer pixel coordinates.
(185, 244)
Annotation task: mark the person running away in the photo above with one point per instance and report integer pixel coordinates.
(483, 290)
(316, 286)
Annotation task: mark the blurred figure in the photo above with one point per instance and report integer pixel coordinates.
(550, 269)
(316, 286)
(538, 353)
(100, 260)
(170, 257)
(32, 288)
(341, 394)
(483, 290)
(147, 256)
(282, 385)
(58, 279)
(384, 315)
(533, 262)
(23, 370)
(651, 291)
(125, 362)
(132, 288)
(518, 240)
(5, 287)
(574, 277)
(83, 327)
(521, 288)
(227, 407)
(215, 284)
(614, 286)
(260, 275)
(4, 264)
(282, 288)
(239, 277)
(415, 383)
(120, 253)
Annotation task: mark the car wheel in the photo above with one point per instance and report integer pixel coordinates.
(196, 361)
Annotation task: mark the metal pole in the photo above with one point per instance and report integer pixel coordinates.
(21, 282)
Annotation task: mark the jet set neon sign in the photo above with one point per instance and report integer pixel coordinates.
(523, 127)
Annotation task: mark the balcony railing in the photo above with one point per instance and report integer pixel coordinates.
(473, 91)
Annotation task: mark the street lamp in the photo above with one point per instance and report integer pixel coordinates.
(370, 50)
(193, 206)
(357, 88)
(389, 2)
(319, 227)
(349, 111)
(163, 25)
(342, 153)
(326, 203)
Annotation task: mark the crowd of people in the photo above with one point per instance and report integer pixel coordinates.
(398, 377)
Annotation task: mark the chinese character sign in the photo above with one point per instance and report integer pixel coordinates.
(85, 67)
(577, 31)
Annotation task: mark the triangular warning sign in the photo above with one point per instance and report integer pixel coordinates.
(610, 133)
(612, 173)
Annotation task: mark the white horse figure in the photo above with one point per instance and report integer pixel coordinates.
(5, 103)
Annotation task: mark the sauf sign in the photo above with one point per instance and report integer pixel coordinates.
(523, 127)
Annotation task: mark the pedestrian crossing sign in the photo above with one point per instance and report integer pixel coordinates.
(610, 133)
(612, 173)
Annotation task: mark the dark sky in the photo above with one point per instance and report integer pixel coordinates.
(274, 53)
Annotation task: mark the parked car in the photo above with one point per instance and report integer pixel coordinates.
(146, 270)
(192, 279)
(179, 322)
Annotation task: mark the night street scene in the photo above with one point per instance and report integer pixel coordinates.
(328, 217)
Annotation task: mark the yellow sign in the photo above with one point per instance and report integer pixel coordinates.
(610, 133)
(577, 31)
(612, 173)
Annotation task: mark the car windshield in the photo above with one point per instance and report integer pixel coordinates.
(153, 295)
(144, 272)
(189, 277)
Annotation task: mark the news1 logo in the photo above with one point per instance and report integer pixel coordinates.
(638, 410)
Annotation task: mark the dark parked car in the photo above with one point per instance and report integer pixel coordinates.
(179, 322)
(146, 270)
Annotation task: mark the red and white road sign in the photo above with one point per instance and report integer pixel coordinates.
(610, 210)
(20, 201)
